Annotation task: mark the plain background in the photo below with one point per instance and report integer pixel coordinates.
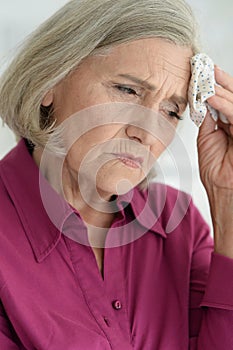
(179, 165)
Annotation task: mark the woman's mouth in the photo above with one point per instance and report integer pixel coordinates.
(129, 160)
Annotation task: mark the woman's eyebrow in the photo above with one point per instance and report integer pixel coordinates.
(138, 81)
(179, 100)
(175, 98)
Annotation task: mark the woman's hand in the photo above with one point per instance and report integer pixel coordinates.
(215, 148)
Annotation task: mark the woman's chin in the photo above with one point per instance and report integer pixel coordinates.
(107, 189)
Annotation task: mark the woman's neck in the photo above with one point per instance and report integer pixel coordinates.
(97, 210)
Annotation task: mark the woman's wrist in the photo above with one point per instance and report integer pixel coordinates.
(221, 205)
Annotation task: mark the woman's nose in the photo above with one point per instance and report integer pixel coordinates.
(148, 126)
(141, 135)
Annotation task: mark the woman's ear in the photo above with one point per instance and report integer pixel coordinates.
(47, 99)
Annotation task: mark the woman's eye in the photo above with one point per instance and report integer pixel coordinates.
(170, 110)
(174, 115)
(126, 90)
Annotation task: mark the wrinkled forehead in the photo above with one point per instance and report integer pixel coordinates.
(150, 54)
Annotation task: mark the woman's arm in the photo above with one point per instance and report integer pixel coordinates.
(211, 309)
(216, 164)
(213, 323)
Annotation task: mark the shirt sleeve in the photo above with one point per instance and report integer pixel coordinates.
(6, 337)
(211, 294)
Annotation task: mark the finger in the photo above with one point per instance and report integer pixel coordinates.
(223, 106)
(221, 92)
(207, 127)
(224, 79)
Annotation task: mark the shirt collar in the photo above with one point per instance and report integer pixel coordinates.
(146, 207)
(21, 177)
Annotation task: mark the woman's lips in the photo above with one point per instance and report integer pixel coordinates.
(130, 160)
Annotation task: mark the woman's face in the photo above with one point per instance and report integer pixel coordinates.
(148, 73)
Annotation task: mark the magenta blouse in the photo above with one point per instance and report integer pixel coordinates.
(162, 288)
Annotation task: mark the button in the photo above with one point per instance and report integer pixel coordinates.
(117, 304)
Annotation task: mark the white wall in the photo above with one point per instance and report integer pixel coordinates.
(19, 18)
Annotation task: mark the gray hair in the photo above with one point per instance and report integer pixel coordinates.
(77, 30)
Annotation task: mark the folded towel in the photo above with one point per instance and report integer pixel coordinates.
(202, 87)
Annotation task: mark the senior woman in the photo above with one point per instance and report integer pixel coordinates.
(87, 259)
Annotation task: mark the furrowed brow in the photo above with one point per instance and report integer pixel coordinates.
(138, 81)
(181, 101)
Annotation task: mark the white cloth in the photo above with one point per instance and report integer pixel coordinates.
(202, 87)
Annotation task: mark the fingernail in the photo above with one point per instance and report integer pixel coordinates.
(218, 68)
